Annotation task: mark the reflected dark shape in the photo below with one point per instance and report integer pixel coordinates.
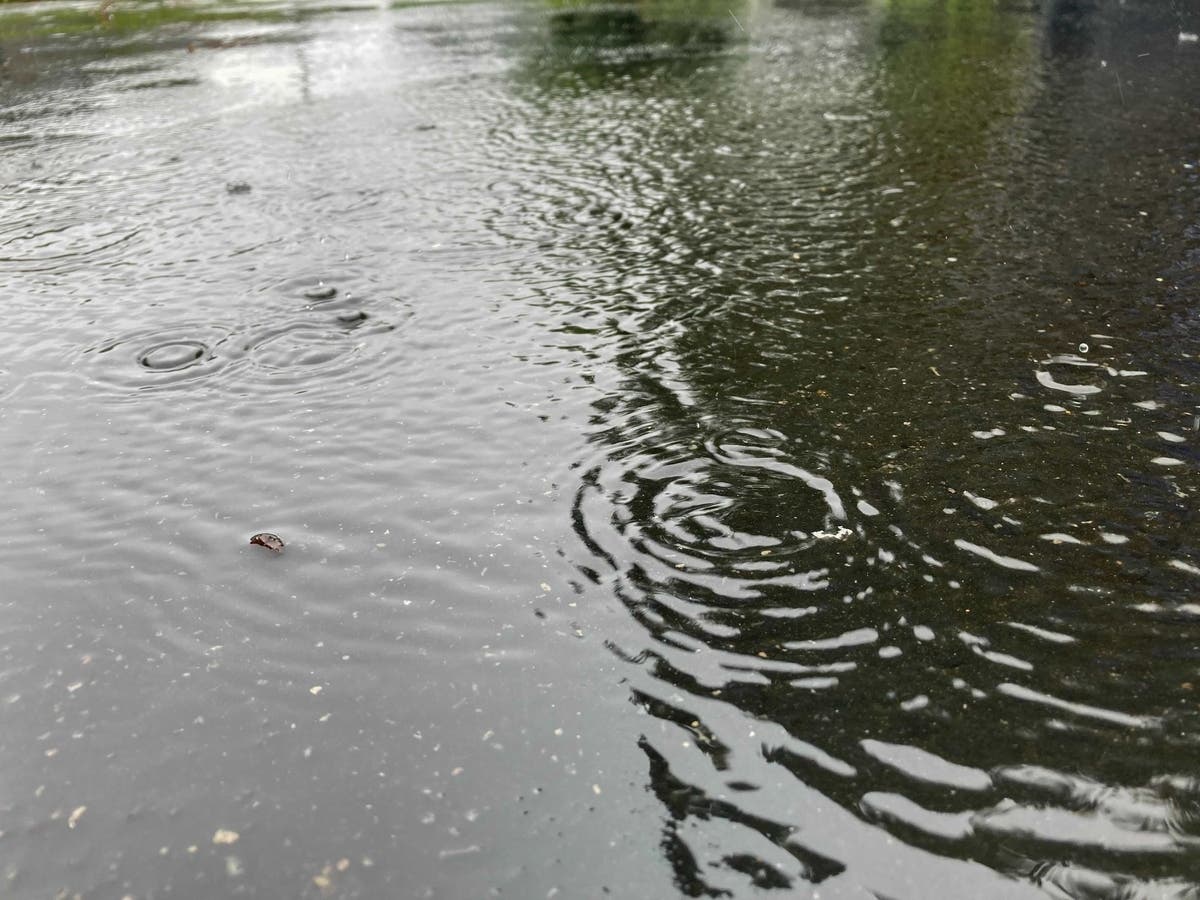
(823, 8)
(1069, 27)
(588, 28)
(598, 28)
(685, 802)
(596, 41)
(777, 487)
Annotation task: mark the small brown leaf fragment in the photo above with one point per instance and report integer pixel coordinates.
(272, 542)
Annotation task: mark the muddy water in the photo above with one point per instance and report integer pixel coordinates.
(720, 451)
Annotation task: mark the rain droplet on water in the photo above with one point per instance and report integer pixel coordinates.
(172, 355)
(321, 291)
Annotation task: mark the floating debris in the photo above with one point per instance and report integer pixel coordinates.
(272, 542)
(225, 836)
(73, 819)
(238, 187)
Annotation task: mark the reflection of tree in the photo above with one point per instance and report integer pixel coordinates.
(950, 77)
(575, 26)
(1069, 26)
(950, 71)
(684, 801)
(757, 247)
(589, 42)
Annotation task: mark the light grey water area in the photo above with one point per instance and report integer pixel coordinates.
(721, 451)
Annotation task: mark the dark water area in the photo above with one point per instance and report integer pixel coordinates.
(721, 451)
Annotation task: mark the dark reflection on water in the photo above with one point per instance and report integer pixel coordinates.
(755, 444)
(838, 476)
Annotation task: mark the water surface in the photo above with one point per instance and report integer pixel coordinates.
(721, 451)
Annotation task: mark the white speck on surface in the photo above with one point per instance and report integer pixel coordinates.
(1053, 636)
(1007, 562)
(867, 509)
(1058, 537)
(981, 502)
(1045, 379)
(458, 851)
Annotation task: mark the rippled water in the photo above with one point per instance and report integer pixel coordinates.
(721, 451)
